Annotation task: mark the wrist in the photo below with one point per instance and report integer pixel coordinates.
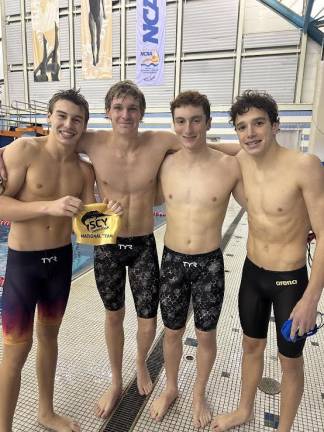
(44, 208)
(312, 297)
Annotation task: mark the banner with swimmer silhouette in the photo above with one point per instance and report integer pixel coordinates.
(96, 39)
(45, 27)
(150, 41)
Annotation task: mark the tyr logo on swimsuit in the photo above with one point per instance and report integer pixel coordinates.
(189, 264)
(49, 260)
(122, 246)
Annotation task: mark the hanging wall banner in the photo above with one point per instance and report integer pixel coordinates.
(96, 39)
(150, 32)
(45, 26)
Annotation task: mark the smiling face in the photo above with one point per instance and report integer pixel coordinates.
(191, 126)
(255, 131)
(125, 114)
(67, 122)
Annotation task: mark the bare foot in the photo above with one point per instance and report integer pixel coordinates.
(58, 423)
(161, 405)
(108, 401)
(201, 412)
(144, 382)
(225, 422)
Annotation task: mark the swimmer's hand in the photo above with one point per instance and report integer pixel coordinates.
(303, 316)
(114, 206)
(66, 206)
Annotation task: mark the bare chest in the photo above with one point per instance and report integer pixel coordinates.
(51, 181)
(201, 189)
(126, 174)
(273, 196)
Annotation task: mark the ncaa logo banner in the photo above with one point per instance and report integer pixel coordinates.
(150, 39)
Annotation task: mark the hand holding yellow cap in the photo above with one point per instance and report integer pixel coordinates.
(96, 225)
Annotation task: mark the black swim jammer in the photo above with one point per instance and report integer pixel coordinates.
(200, 276)
(41, 278)
(140, 255)
(260, 289)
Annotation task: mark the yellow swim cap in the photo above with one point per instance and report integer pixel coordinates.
(96, 225)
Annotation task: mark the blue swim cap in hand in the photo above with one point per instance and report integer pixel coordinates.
(286, 329)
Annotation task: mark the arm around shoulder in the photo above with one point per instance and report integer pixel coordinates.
(169, 140)
(231, 149)
(88, 139)
(238, 191)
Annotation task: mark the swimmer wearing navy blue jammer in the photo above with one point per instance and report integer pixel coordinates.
(47, 185)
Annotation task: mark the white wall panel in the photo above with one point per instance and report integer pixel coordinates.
(77, 37)
(12, 7)
(16, 86)
(209, 25)
(272, 39)
(14, 43)
(95, 90)
(311, 63)
(259, 18)
(160, 95)
(29, 36)
(1, 63)
(273, 74)
(27, 5)
(211, 77)
(64, 38)
(116, 33)
(64, 3)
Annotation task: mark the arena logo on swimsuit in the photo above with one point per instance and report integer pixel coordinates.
(150, 27)
(288, 282)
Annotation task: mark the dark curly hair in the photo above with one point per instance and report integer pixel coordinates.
(254, 99)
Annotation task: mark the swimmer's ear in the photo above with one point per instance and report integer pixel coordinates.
(275, 128)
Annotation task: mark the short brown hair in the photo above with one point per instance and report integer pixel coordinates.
(123, 89)
(73, 96)
(193, 98)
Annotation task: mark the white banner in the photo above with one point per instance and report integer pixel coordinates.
(45, 26)
(150, 39)
(96, 39)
